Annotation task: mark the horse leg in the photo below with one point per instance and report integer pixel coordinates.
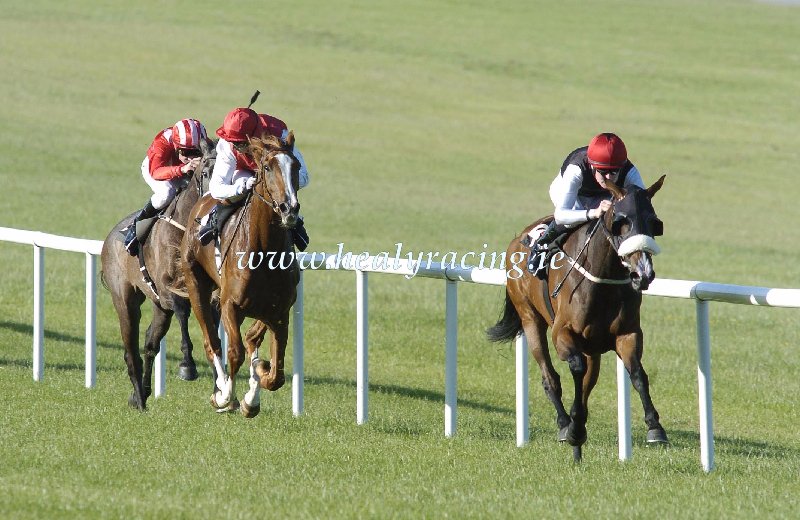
(187, 369)
(251, 403)
(567, 347)
(629, 348)
(232, 320)
(152, 344)
(271, 375)
(128, 307)
(535, 328)
(199, 286)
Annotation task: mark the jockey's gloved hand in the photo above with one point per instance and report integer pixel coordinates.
(250, 182)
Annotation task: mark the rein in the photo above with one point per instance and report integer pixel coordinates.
(574, 264)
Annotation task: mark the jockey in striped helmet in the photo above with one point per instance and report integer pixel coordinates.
(172, 157)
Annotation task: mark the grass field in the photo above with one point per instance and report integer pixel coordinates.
(440, 125)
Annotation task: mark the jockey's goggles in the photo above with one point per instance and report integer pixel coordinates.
(240, 145)
(608, 173)
(190, 152)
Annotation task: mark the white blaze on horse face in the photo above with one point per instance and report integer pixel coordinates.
(286, 170)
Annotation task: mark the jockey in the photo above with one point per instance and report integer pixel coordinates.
(173, 155)
(234, 169)
(579, 190)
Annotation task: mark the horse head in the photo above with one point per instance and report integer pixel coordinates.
(202, 176)
(277, 176)
(632, 226)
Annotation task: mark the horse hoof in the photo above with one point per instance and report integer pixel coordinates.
(657, 436)
(250, 411)
(187, 372)
(133, 402)
(577, 454)
(231, 407)
(562, 434)
(576, 437)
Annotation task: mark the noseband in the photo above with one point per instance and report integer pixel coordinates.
(574, 264)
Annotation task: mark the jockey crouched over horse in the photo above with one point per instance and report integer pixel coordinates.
(254, 208)
(146, 262)
(602, 236)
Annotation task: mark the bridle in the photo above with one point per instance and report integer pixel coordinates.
(575, 264)
(263, 171)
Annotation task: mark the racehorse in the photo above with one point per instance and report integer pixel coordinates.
(263, 290)
(129, 285)
(591, 300)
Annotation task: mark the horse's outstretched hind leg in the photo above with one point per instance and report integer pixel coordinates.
(187, 369)
(629, 349)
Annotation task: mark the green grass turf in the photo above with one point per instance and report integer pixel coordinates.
(438, 125)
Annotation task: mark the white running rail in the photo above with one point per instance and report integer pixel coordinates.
(701, 292)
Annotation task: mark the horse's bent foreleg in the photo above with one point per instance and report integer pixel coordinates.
(629, 348)
(187, 369)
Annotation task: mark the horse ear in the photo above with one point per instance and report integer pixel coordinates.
(652, 190)
(615, 190)
(290, 139)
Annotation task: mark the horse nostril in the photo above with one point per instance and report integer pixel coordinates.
(283, 207)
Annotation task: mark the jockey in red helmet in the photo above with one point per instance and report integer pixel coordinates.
(172, 156)
(234, 169)
(579, 190)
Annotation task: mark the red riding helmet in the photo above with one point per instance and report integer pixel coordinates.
(239, 124)
(187, 133)
(607, 152)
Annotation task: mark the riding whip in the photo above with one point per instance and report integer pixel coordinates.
(253, 99)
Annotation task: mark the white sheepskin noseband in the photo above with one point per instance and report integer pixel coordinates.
(638, 243)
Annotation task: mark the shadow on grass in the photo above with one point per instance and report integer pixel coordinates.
(748, 448)
(414, 393)
(23, 328)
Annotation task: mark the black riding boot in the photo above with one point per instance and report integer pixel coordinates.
(216, 219)
(536, 261)
(131, 242)
(300, 235)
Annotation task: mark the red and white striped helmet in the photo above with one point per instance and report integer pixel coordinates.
(187, 133)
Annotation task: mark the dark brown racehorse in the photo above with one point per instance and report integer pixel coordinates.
(257, 277)
(598, 284)
(121, 274)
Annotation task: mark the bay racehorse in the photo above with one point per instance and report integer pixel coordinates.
(264, 290)
(597, 281)
(161, 282)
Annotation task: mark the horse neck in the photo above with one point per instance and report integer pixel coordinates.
(601, 258)
(262, 222)
(184, 202)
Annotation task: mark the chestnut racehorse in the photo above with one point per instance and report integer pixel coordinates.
(122, 276)
(598, 279)
(263, 290)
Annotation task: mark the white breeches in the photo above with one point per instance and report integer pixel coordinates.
(163, 191)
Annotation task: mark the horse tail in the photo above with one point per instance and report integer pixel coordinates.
(509, 325)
